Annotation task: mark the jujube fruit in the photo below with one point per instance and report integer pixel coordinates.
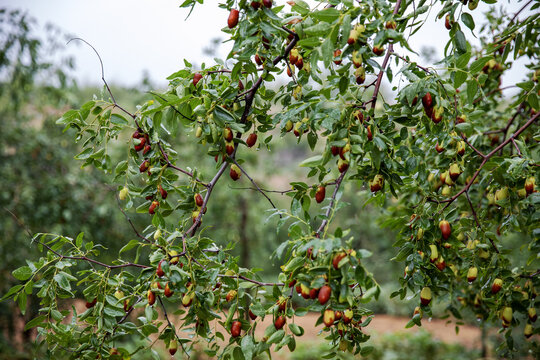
(232, 21)
(320, 194)
(236, 328)
(324, 294)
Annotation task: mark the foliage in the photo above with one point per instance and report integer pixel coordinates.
(452, 164)
(43, 189)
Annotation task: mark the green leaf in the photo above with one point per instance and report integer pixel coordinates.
(300, 7)
(85, 154)
(463, 60)
(293, 264)
(121, 167)
(79, 239)
(472, 88)
(312, 161)
(477, 65)
(130, 245)
(21, 300)
(35, 322)
(12, 291)
(247, 346)
(327, 52)
(62, 281)
(468, 20)
(118, 120)
(22, 273)
(223, 115)
(328, 15)
(276, 337)
(532, 99)
(68, 117)
(460, 41)
(459, 78)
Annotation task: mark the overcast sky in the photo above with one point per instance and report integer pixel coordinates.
(153, 35)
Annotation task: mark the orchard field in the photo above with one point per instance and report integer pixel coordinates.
(323, 190)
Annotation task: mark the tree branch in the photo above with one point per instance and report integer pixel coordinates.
(84, 258)
(171, 325)
(169, 164)
(254, 183)
(389, 51)
(103, 77)
(251, 280)
(331, 205)
(486, 158)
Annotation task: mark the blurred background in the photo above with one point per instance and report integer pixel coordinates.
(43, 189)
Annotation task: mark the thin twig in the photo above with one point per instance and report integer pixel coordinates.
(171, 325)
(251, 280)
(169, 164)
(254, 183)
(282, 192)
(384, 64)
(517, 148)
(139, 235)
(84, 258)
(519, 11)
(529, 276)
(472, 147)
(103, 77)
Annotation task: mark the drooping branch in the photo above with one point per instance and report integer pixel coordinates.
(90, 260)
(171, 325)
(103, 77)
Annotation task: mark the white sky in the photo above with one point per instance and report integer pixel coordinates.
(137, 35)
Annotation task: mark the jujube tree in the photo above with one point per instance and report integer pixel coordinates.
(451, 160)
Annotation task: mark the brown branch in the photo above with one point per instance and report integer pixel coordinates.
(251, 92)
(172, 107)
(530, 276)
(384, 64)
(137, 233)
(519, 11)
(517, 148)
(331, 205)
(426, 70)
(103, 77)
(84, 258)
(478, 222)
(282, 192)
(511, 121)
(254, 183)
(210, 187)
(171, 325)
(478, 99)
(251, 280)
(486, 158)
(481, 154)
(169, 164)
